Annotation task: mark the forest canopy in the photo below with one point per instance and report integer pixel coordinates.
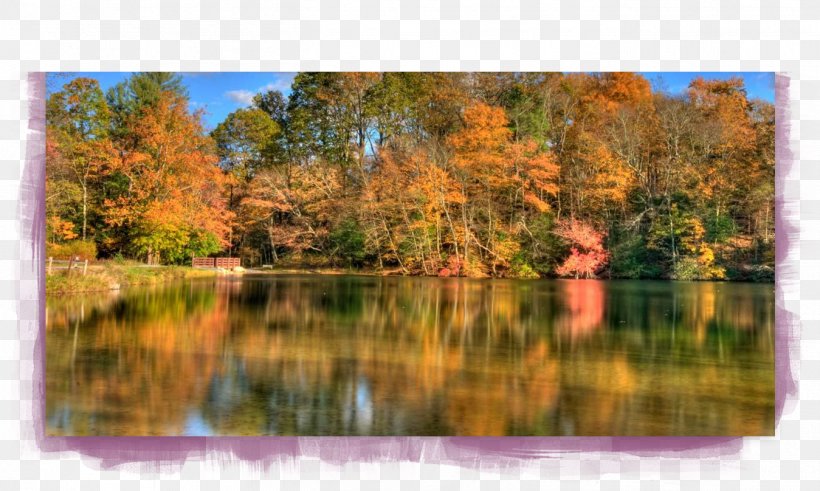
(517, 175)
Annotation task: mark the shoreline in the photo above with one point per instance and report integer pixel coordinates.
(114, 277)
(393, 274)
(111, 277)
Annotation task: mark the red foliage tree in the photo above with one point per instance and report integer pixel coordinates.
(587, 253)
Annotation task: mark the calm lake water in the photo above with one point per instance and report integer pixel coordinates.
(348, 355)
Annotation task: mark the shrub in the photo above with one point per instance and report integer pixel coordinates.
(460, 267)
(692, 268)
(761, 273)
(348, 242)
(522, 270)
(631, 260)
(84, 249)
(473, 269)
(686, 269)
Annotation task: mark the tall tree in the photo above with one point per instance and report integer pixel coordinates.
(246, 142)
(78, 122)
(174, 205)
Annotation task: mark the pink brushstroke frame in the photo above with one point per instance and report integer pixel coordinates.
(172, 452)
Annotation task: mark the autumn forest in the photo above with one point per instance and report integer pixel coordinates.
(516, 175)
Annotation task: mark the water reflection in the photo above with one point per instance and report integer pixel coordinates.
(312, 355)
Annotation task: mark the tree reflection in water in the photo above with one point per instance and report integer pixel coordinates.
(316, 355)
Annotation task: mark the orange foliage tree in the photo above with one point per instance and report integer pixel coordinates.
(498, 176)
(174, 204)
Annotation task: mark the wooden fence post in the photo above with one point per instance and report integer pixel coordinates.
(85, 267)
(50, 264)
(70, 263)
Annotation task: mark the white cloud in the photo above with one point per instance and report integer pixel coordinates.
(282, 83)
(245, 97)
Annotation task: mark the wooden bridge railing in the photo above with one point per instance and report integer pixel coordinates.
(227, 262)
(216, 262)
(203, 262)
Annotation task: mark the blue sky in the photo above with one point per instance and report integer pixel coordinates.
(220, 93)
(759, 85)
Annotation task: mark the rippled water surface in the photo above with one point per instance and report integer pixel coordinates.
(352, 355)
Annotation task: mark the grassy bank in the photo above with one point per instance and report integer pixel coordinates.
(111, 276)
(324, 271)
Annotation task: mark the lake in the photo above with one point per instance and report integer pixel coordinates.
(358, 355)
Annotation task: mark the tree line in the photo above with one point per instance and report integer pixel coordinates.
(449, 174)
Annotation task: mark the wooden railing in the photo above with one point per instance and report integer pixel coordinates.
(73, 264)
(216, 262)
(227, 262)
(203, 262)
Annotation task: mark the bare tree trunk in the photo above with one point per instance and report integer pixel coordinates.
(466, 227)
(490, 235)
(672, 237)
(452, 231)
(392, 243)
(272, 245)
(85, 208)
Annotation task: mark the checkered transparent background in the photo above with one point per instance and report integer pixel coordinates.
(172, 35)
